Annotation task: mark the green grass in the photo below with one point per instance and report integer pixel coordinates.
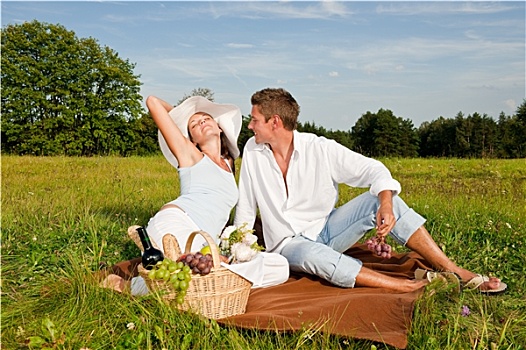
(61, 217)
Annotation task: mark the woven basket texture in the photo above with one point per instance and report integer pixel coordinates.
(221, 293)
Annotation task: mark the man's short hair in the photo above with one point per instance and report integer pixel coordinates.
(272, 101)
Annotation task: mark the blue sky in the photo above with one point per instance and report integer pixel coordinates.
(420, 59)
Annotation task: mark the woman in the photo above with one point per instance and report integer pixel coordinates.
(199, 138)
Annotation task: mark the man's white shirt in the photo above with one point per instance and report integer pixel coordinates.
(316, 167)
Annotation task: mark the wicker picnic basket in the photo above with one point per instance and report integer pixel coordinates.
(221, 293)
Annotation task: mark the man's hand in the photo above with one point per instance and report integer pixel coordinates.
(385, 219)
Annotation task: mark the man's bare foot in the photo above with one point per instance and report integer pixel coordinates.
(114, 282)
(407, 286)
(417, 284)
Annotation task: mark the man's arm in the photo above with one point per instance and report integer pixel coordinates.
(357, 170)
(385, 219)
(246, 205)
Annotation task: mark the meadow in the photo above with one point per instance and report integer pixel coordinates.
(62, 218)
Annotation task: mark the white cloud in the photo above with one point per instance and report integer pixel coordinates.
(282, 10)
(239, 46)
(333, 74)
(414, 52)
(511, 104)
(443, 7)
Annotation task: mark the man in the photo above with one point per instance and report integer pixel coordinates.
(293, 177)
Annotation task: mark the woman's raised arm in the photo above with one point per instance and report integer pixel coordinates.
(182, 148)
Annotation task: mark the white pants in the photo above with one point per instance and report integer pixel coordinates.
(179, 224)
(268, 269)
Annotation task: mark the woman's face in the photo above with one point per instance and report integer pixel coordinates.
(201, 124)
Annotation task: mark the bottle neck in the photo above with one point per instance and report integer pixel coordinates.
(145, 240)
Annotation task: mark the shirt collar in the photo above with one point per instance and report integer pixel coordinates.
(296, 143)
(261, 146)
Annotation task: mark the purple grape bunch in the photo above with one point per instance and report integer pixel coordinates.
(199, 263)
(378, 246)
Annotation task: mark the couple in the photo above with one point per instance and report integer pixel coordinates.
(292, 179)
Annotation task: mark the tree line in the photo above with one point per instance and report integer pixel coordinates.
(382, 134)
(64, 95)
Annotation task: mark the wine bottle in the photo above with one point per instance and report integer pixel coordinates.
(151, 255)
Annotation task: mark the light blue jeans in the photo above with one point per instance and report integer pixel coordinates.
(345, 226)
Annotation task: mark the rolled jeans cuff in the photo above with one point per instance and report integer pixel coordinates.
(138, 286)
(346, 271)
(406, 225)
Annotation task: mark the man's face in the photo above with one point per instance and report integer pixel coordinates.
(261, 128)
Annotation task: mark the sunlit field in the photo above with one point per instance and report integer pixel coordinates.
(64, 217)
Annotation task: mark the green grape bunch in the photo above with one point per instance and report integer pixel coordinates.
(177, 274)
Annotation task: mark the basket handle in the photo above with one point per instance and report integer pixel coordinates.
(213, 246)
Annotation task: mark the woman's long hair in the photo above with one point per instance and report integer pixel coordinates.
(225, 153)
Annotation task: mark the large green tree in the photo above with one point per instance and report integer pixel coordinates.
(383, 134)
(511, 139)
(475, 136)
(65, 95)
(520, 132)
(437, 138)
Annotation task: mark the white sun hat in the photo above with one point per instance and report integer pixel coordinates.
(227, 116)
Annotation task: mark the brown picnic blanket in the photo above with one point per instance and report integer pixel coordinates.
(307, 302)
